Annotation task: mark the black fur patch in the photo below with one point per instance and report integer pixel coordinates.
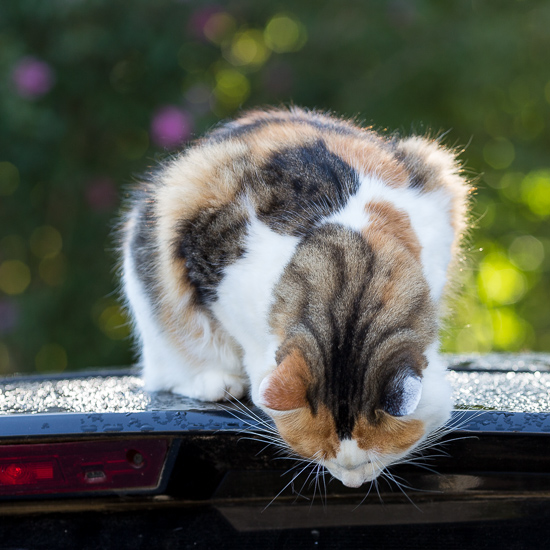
(295, 189)
(209, 243)
(417, 172)
(143, 247)
(300, 185)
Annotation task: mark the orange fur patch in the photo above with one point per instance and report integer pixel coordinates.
(385, 217)
(368, 157)
(280, 135)
(310, 435)
(288, 384)
(390, 436)
(401, 280)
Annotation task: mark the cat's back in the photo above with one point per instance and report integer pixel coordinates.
(284, 161)
(293, 170)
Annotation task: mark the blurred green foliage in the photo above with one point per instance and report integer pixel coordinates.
(92, 93)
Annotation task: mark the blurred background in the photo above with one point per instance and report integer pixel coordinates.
(93, 93)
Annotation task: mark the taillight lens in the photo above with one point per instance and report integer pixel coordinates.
(124, 465)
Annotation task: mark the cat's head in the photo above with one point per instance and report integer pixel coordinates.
(358, 384)
(356, 443)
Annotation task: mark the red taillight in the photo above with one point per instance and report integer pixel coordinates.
(82, 466)
(24, 473)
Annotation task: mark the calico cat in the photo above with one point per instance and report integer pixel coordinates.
(302, 259)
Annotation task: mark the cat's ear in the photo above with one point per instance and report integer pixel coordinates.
(285, 388)
(402, 394)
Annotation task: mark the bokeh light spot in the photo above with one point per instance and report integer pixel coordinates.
(284, 33)
(32, 77)
(9, 179)
(51, 358)
(477, 335)
(526, 252)
(499, 153)
(248, 48)
(535, 192)
(509, 329)
(171, 126)
(15, 277)
(46, 242)
(232, 87)
(200, 18)
(499, 281)
(219, 26)
(510, 186)
(114, 323)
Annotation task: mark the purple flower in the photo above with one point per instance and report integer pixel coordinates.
(171, 126)
(32, 78)
(9, 315)
(101, 195)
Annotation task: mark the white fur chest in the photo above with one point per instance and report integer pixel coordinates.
(245, 295)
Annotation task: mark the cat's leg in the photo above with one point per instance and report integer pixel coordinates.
(197, 359)
(205, 367)
(218, 372)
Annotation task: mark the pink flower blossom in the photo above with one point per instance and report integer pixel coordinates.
(32, 78)
(171, 126)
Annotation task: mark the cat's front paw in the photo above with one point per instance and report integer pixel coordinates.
(213, 386)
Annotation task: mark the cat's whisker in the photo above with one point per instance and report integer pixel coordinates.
(419, 465)
(428, 457)
(377, 490)
(257, 420)
(309, 463)
(401, 487)
(366, 496)
(378, 464)
(282, 490)
(315, 483)
(254, 426)
(277, 447)
(395, 478)
(313, 465)
(311, 482)
(323, 477)
(264, 439)
(271, 444)
(291, 458)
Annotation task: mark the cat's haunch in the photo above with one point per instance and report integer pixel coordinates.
(302, 259)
